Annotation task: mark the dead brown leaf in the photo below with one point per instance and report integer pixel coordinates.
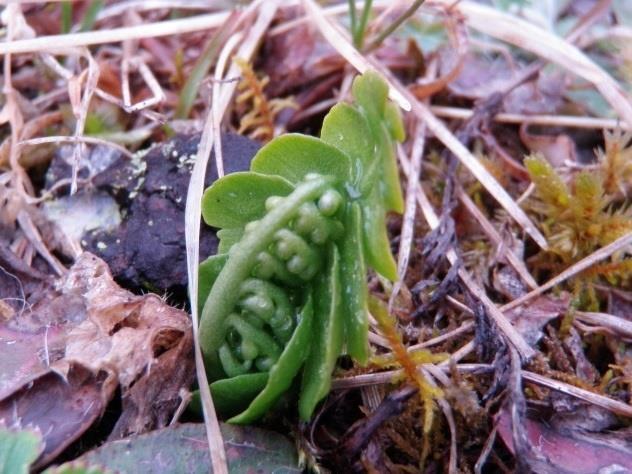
(70, 350)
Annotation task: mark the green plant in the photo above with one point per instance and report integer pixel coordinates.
(287, 290)
(587, 213)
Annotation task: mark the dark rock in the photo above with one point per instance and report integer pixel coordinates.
(147, 251)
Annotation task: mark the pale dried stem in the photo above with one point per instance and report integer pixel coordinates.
(618, 245)
(35, 238)
(387, 377)
(462, 329)
(602, 401)
(216, 111)
(613, 324)
(548, 120)
(341, 42)
(153, 30)
(408, 225)
(74, 139)
(192, 236)
(487, 449)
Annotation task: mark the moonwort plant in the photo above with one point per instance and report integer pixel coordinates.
(287, 290)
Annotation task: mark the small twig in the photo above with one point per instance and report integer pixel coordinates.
(408, 225)
(487, 448)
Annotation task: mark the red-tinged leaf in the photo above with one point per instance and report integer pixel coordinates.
(572, 453)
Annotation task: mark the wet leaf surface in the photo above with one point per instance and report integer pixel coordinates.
(184, 449)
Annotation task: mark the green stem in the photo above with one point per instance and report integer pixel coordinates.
(410, 11)
(225, 292)
(358, 38)
(91, 15)
(202, 66)
(353, 17)
(66, 16)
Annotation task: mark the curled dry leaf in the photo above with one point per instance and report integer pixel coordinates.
(61, 407)
(91, 336)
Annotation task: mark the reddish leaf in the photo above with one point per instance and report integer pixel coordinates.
(576, 453)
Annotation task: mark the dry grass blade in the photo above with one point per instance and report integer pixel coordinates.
(114, 35)
(547, 45)
(618, 245)
(216, 111)
(408, 226)
(614, 406)
(613, 324)
(74, 139)
(192, 225)
(544, 120)
(404, 98)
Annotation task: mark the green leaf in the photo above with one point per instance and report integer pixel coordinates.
(239, 198)
(233, 395)
(393, 198)
(209, 270)
(228, 238)
(347, 129)
(294, 155)
(75, 468)
(284, 371)
(354, 293)
(370, 93)
(18, 450)
(377, 245)
(327, 337)
(394, 122)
